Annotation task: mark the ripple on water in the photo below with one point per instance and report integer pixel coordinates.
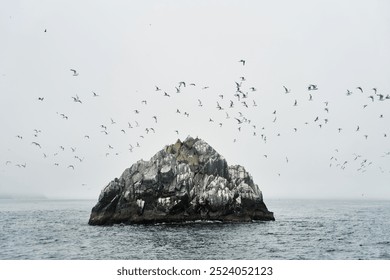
(319, 230)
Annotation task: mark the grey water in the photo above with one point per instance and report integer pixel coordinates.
(304, 229)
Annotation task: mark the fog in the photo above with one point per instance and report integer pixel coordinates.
(122, 50)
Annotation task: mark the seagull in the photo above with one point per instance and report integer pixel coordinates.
(76, 99)
(238, 121)
(20, 137)
(286, 90)
(36, 144)
(95, 95)
(41, 98)
(200, 103)
(144, 102)
(310, 97)
(71, 166)
(155, 118)
(359, 88)
(182, 84)
(242, 61)
(295, 103)
(75, 73)
(112, 121)
(157, 88)
(166, 94)
(312, 87)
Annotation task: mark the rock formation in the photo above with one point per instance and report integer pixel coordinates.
(186, 181)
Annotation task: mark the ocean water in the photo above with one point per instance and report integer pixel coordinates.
(304, 229)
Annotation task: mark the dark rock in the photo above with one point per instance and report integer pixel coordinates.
(186, 181)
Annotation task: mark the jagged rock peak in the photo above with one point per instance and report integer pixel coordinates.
(185, 181)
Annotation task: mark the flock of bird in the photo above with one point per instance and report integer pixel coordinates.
(236, 110)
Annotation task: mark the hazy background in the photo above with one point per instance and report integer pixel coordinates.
(123, 49)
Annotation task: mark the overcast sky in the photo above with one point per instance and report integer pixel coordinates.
(122, 50)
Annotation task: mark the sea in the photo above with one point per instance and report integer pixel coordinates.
(303, 230)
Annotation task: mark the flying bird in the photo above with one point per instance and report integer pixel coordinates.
(75, 73)
(76, 99)
(36, 144)
(312, 87)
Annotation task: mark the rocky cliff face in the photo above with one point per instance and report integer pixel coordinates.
(186, 181)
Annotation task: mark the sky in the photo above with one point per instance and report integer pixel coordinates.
(332, 145)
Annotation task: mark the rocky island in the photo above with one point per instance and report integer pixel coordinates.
(185, 181)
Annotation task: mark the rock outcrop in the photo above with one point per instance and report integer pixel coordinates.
(186, 181)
